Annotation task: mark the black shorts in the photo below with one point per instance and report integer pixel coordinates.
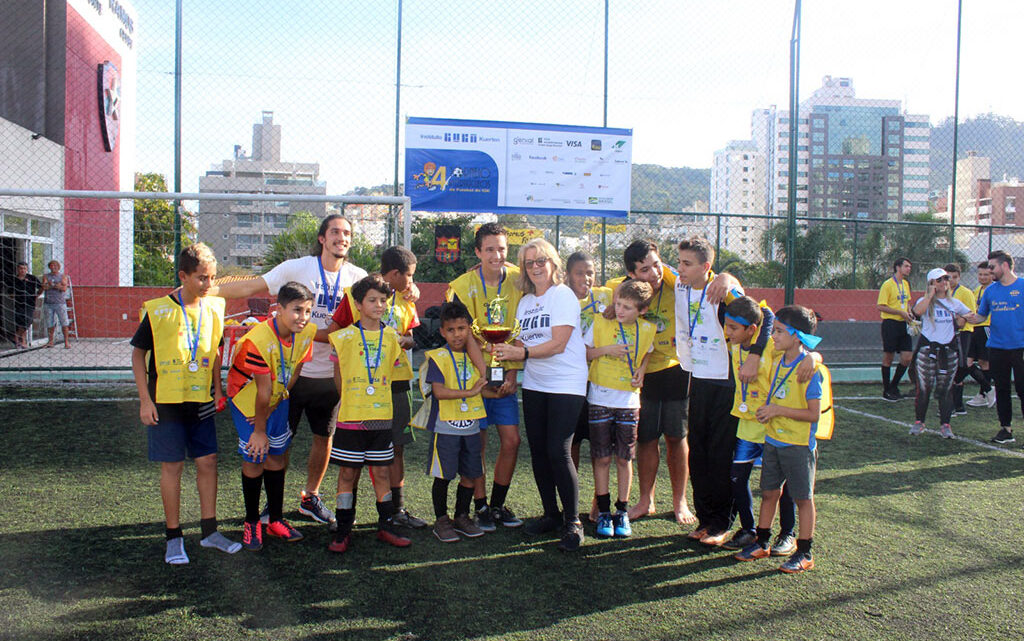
(663, 404)
(979, 344)
(317, 397)
(23, 317)
(356, 448)
(895, 337)
(401, 429)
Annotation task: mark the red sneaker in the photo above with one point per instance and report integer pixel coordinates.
(252, 536)
(283, 530)
(391, 538)
(340, 547)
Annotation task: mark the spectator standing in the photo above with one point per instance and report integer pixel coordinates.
(55, 307)
(25, 288)
(894, 306)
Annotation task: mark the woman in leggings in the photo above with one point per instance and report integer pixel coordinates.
(938, 351)
(554, 385)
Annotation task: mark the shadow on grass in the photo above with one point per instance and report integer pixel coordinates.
(886, 483)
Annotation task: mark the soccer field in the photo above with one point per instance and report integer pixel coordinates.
(918, 538)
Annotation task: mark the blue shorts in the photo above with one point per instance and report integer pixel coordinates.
(747, 452)
(278, 431)
(451, 454)
(171, 440)
(501, 411)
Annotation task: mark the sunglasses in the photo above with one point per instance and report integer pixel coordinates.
(942, 278)
(539, 262)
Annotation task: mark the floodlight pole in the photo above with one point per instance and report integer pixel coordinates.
(398, 103)
(956, 121)
(604, 120)
(177, 135)
(794, 128)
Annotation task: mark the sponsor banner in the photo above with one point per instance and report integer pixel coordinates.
(510, 167)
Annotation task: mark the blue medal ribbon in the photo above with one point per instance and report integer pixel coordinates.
(480, 271)
(591, 305)
(899, 289)
(743, 386)
(463, 383)
(285, 374)
(366, 351)
(625, 341)
(692, 321)
(331, 300)
(776, 383)
(192, 338)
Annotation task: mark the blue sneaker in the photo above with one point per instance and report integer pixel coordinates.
(622, 527)
(604, 525)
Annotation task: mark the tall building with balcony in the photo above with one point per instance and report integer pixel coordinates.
(856, 158)
(738, 176)
(972, 171)
(240, 231)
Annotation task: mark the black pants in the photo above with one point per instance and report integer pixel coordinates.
(550, 423)
(1002, 363)
(712, 439)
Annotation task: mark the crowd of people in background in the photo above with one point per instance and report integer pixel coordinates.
(25, 289)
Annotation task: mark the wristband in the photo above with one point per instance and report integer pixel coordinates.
(526, 352)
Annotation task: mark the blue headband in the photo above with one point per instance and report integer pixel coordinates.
(738, 320)
(810, 341)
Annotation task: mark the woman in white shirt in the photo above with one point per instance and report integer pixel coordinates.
(554, 385)
(938, 350)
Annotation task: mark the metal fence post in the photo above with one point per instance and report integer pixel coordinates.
(558, 231)
(989, 239)
(718, 238)
(604, 248)
(853, 285)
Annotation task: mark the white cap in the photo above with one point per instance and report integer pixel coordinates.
(936, 274)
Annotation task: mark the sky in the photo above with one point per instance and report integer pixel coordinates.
(684, 75)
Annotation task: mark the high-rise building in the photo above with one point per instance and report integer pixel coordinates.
(738, 177)
(856, 158)
(972, 171)
(240, 231)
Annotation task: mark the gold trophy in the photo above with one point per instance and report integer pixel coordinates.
(494, 332)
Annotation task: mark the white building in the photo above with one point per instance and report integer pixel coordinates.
(738, 176)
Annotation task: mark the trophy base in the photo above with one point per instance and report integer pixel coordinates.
(495, 376)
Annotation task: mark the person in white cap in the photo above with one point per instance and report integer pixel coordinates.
(938, 351)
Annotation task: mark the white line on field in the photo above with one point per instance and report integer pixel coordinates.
(962, 439)
(65, 400)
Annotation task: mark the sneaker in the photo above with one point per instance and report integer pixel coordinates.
(265, 516)
(991, 398)
(404, 518)
(891, 395)
(465, 526)
(917, 428)
(283, 530)
(485, 519)
(1003, 436)
(945, 431)
(740, 540)
(543, 525)
(799, 562)
(783, 545)
(313, 506)
(340, 547)
(175, 554)
(605, 527)
(444, 530)
(978, 400)
(715, 539)
(752, 552)
(506, 517)
(623, 528)
(220, 542)
(252, 536)
(572, 537)
(960, 411)
(385, 535)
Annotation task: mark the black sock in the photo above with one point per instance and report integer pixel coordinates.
(498, 494)
(988, 380)
(480, 504)
(273, 480)
(886, 377)
(900, 371)
(804, 545)
(604, 502)
(345, 518)
(385, 510)
(397, 498)
(620, 506)
(439, 493)
(208, 526)
(462, 497)
(251, 488)
(173, 533)
(764, 534)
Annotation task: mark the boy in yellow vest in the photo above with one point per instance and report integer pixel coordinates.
(456, 412)
(182, 334)
(265, 366)
(790, 451)
(619, 347)
(366, 353)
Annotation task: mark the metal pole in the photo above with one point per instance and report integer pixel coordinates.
(558, 230)
(856, 229)
(718, 237)
(989, 236)
(794, 127)
(398, 103)
(956, 121)
(604, 121)
(177, 135)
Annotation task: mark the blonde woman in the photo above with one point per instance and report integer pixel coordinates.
(554, 385)
(938, 351)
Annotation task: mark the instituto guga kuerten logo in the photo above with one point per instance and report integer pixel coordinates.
(109, 84)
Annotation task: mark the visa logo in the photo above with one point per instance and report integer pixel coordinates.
(573, 143)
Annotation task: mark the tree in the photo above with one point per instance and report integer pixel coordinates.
(154, 234)
(819, 249)
(300, 238)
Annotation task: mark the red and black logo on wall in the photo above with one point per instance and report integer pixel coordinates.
(447, 243)
(109, 82)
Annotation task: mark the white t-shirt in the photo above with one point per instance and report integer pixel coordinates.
(706, 353)
(564, 373)
(306, 270)
(606, 396)
(941, 329)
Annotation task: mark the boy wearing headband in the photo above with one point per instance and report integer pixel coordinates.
(790, 416)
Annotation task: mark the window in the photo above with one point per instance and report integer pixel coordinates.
(15, 224)
(819, 136)
(1011, 204)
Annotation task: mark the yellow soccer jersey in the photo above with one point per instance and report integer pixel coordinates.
(894, 294)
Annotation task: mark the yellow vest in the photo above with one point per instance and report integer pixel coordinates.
(662, 313)
(470, 289)
(793, 394)
(356, 404)
(264, 338)
(896, 296)
(612, 372)
(977, 298)
(593, 304)
(450, 409)
(398, 316)
(171, 355)
(966, 297)
(757, 392)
